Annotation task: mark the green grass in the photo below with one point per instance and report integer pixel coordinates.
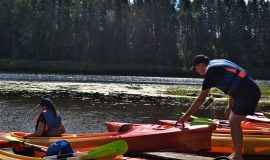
(188, 91)
(192, 91)
(265, 92)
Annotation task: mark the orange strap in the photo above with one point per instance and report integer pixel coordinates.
(241, 74)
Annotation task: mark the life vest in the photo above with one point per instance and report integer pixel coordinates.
(53, 124)
(233, 75)
(58, 148)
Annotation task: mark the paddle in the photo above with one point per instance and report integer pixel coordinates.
(14, 139)
(205, 121)
(113, 149)
(106, 151)
(201, 121)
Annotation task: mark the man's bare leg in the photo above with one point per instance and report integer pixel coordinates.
(237, 135)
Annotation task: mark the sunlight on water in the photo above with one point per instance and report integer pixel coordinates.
(87, 102)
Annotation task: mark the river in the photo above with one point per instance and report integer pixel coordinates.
(88, 101)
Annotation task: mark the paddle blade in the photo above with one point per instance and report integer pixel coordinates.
(36, 147)
(101, 154)
(13, 139)
(121, 146)
(107, 151)
(202, 121)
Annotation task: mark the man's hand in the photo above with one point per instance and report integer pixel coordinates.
(182, 120)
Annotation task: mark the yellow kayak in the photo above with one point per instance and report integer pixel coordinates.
(79, 142)
(5, 155)
(107, 151)
(10, 156)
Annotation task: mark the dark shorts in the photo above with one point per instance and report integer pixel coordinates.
(246, 106)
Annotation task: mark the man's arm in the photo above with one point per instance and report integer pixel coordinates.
(38, 132)
(197, 103)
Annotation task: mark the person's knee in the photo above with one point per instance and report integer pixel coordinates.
(235, 120)
(234, 123)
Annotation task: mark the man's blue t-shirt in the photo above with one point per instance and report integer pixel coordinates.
(212, 77)
(245, 89)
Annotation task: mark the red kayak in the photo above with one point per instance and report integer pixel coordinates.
(150, 137)
(220, 143)
(258, 117)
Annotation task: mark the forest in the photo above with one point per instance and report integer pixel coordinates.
(133, 36)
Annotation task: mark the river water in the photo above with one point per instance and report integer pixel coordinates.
(86, 102)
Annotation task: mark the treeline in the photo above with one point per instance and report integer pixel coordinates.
(143, 32)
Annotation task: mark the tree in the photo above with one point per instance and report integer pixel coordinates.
(6, 28)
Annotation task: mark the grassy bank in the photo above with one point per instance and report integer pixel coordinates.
(193, 91)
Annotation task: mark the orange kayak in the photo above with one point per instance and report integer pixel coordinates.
(3, 142)
(249, 128)
(255, 142)
(252, 145)
(258, 117)
(79, 142)
(152, 138)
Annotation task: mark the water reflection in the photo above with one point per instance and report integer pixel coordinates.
(99, 79)
(89, 115)
(87, 102)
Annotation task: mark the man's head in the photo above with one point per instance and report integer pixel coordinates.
(200, 62)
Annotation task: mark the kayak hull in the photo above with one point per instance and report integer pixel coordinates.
(165, 137)
(251, 145)
(5, 155)
(254, 142)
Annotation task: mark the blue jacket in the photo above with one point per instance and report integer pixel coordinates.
(234, 74)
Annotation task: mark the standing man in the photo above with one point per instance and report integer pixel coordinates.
(234, 81)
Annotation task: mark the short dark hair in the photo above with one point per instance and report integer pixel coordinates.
(199, 59)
